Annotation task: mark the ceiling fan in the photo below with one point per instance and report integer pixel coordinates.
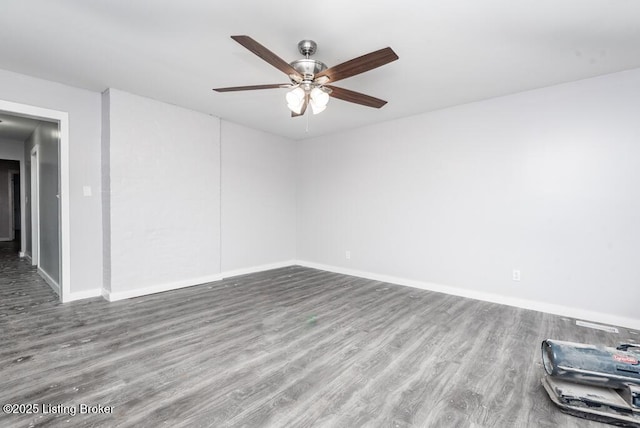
(310, 78)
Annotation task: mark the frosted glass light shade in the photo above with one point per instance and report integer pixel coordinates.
(295, 100)
(297, 108)
(316, 108)
(295, 96)
(320, 97)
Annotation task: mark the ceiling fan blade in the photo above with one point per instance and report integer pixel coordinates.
(359, 65)
(265, 54)
(304, 107)
(355, 97)
(250, 88)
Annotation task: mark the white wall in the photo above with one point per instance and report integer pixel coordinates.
(544, 181)
(83, 108)
(164, 184)
(258, 198)
(274, 230)
(106, 195)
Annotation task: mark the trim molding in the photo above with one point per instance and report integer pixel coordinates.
(5, 239)
(429, 286)
(22, 254)
(259, 268)
(52, 283)
(84, 294)
(120, 295)
(137, 292)
(486, 297)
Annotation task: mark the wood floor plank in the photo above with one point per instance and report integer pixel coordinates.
(288, 347)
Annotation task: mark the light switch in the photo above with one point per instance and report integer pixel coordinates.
(86, 190)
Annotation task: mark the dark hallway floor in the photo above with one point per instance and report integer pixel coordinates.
(20, 285)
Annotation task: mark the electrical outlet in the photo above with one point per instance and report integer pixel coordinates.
(347, 255)
(516, 275)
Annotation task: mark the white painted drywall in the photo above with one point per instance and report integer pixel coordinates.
(164, 178)
(544, 181)
(258, 198)
(84, 158)
(46, 138)
(106, 194)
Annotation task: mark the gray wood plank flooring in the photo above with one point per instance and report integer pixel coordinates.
(291, 347)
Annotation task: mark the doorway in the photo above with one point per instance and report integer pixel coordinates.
(46, 203)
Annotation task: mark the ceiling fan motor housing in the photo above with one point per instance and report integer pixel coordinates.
(307, 67)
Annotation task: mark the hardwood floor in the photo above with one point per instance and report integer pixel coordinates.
(291, 347)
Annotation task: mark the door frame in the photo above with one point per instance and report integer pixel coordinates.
(35, 205)
(64, 229)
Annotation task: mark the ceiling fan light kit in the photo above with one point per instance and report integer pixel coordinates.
(309, 77)
(295, 99)
(319, 98)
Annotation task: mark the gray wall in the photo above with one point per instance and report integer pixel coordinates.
(185, 200)
(17, 201)
(46, 138)
(26, 184)
(14, 150)
(258, 198)
(5, 227)
(5, 213)
(277, 229)
(164, 195)
(544, 181)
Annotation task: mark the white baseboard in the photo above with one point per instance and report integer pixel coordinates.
(22, 254)
(120, 295)
(52, 283)
(137, 292)
(254, 269)
(477, 295)
(84, 294)
(5, 239)
(487, 297)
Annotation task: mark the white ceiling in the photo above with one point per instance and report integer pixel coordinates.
(451, 52)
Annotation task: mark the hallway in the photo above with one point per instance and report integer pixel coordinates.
(21, 288)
